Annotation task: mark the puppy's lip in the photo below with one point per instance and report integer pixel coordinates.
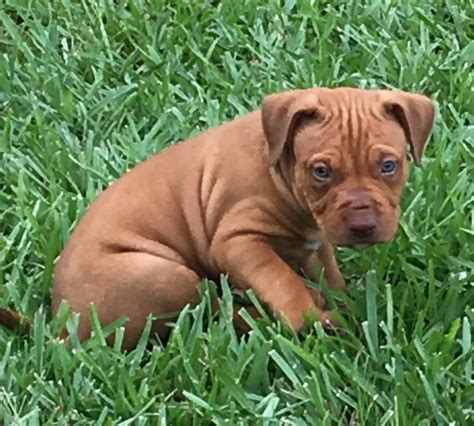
(357, 245)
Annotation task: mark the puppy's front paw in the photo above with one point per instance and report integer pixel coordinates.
(298, 319)
(318, 298)
(301, 321)
(329, 320)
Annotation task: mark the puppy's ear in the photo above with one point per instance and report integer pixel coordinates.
(282, 114)
(415, 113)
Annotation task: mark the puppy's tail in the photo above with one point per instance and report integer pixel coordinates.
(14, 322)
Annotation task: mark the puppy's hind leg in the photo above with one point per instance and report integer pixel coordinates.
(132, 285)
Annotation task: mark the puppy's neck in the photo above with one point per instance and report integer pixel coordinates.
(283, 176)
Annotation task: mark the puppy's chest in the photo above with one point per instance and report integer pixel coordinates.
(299, 245)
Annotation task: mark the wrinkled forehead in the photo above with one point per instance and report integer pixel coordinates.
(354, 122)
(352, 109)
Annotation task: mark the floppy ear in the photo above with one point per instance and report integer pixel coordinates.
(282, 113)
(415, 113)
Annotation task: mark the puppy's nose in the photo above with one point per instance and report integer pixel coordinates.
(360, 214)
(361, 219)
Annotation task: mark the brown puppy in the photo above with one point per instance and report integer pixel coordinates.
(278, 187)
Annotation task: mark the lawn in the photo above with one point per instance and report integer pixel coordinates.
(89, 88)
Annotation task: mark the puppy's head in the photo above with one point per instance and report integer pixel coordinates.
(345, 151)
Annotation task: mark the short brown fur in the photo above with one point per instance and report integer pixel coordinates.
(243, 199)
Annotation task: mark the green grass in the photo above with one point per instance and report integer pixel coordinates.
(89, 88)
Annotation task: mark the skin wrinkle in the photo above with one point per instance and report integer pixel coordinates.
(375, 113)
(214, 211)
(357, 123)
(202, 207)
(367, 153)
(282, 175)
(342, 116)
(350, 138)
(205, 189)
(362, 126)
(328, 119)
(357, 135)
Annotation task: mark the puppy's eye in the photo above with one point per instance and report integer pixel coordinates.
(322, 172)
(388, 167)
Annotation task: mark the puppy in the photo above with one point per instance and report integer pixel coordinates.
(263, 198)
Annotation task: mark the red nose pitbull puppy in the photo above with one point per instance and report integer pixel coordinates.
(263, 198)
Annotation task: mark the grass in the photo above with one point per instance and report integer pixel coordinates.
(90, 88)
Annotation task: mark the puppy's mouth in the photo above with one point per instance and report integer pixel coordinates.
(361, 246)
(356, 246)
(348, 241)
(360, 243)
